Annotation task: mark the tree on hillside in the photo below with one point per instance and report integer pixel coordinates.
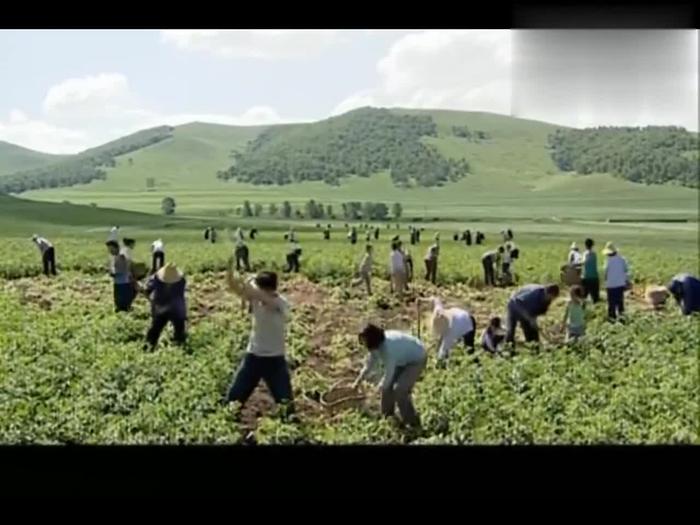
(168, 205)
(286, 210)
(368, 211)
(329, 211)
(272, 210)
(257, 209)
(247, 210)
(397, 210)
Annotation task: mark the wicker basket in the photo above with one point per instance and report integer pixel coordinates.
(139, 270)
(570, 275)
(341, 397)
(656, 296)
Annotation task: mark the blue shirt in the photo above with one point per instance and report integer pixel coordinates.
(686, 289)
(397, 350)
(531, 298)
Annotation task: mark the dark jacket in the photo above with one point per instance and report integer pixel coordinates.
(686, 290)
(167, 298)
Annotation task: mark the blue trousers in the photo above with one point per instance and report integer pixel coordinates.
(273, 370)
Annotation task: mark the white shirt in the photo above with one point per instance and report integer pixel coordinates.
(157, 246)
(43, 244)
(113, 234)
(615, 271)
(460, 325)
(238, 237)
(126, 252)
(397, 263)
(575, 257)
(506, 257)
(267, 334)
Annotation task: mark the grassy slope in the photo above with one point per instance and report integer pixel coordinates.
(513, 178)
(16, 158)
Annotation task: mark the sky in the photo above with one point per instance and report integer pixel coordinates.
(62, 91)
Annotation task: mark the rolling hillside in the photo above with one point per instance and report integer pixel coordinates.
(511, 176)
(16, 158)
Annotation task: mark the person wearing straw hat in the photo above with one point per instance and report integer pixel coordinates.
(686, 291)
(493, 335)
(404, 360)
(48, 254)
(616, 281)
(166, 291)
(449, 326)
(575, 257)
(158, 252)
(265, 355)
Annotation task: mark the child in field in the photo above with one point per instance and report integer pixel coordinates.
(493, 336)
(574, 315)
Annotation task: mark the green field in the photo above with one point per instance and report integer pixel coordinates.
(513, 178)
(73, 371)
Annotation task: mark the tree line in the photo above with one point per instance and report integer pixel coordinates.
(360, 143)
(82, 168)
(651, 155)
(376, 211)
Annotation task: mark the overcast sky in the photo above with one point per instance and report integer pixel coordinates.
(64, 91)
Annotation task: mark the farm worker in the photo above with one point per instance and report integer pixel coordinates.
(510, 234)
(397, 268)
(207, 232)
(120, 270)
(265, 354)
(408, 261)
(493, 335)
(616, 281)
(507, 264)
(368, 236)
(48, 254)
(241, 251)
(327, 233)
(293, 254)
(686, 291)
(468, 238)
(158, 251)
(489, 260)
(575, 258)
(431, 262)
(253, 234)
(166, 291)
(574, 318)
(113, 234)
(404, 359)
(366, 269)
(525, 306)
(128, 248)
(589, 273)
(291, 236)
(450, 325)
(376, 233)
(212, 235)
(352, 235)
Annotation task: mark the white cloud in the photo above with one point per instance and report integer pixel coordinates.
(87, 94)
(42, 136)
(465, 69)
(80, 113)
(265, 44)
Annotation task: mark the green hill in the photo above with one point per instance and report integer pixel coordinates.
(511, 175)
(16, 158)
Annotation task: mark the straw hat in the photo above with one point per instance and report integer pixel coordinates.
(169, 274)
(609, 248)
